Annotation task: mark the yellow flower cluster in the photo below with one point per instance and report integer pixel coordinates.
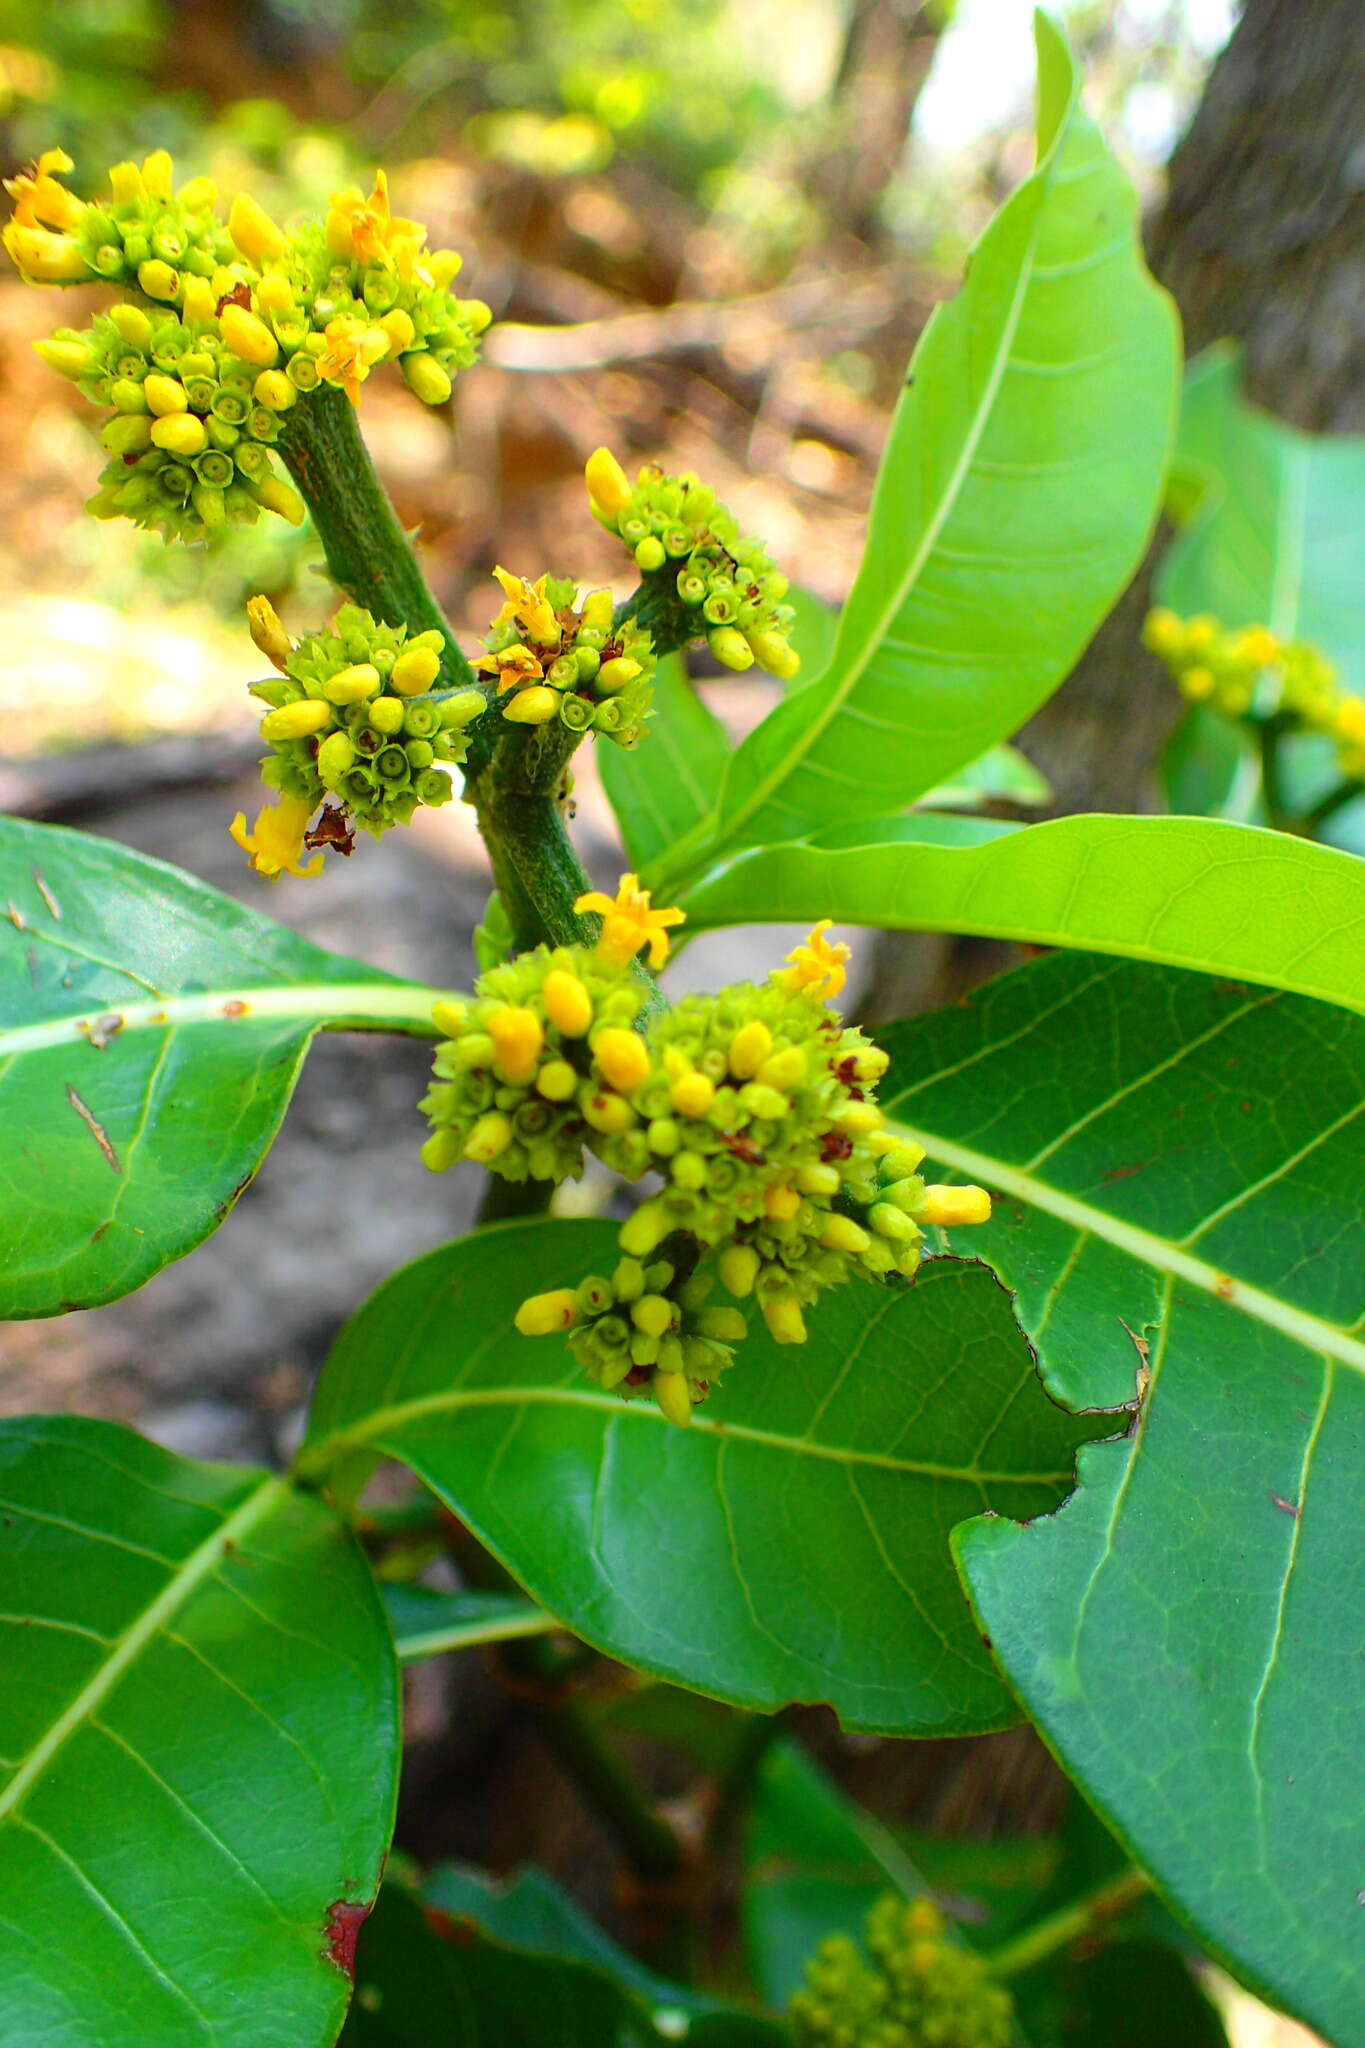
(1250, 672)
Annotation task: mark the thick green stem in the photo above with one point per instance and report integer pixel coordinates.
(1090, 1914)
(1269, 733)
(368, 553)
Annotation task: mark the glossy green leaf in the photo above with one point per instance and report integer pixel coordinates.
(1192, 892)
(151, 1032)
(813, 634)
(1018, 488)
(814, 1864)
(1274, 520)
(1000, 775)
(1178, 1168)
(530, 1912)
(198, 1747)
(426, 1622)
(661, 789)
(790, 1544)
(423, 1975)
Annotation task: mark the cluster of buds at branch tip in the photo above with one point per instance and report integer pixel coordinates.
(556, 659)
(699, 573)
(1253, 674)
(244, 315)
(355, 721)
(755, 1108)
(913, 1986)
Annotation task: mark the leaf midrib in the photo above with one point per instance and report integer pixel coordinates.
(834, 701)
(404, 1006)
(317, 1456)
(188, 1577)
(1161, 1253)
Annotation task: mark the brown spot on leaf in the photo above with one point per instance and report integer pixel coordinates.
(342, 1926)
(15, 915)
(1286, 1507)
(94, 1126)
(235, 1008)
(49, 899)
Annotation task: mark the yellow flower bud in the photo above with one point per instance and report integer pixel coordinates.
(275, 295)
(674, 1398)
(425, 378)
(545, 1315)
(738, 1269)
(774, 652)
(254, 232)
(68, 358)
(294, 721)
(889, 1221)
(158, 173)
(400, 330)
(180, 433)
(449, 1018)
(749, 1047)
(731, 648)
(567, 1002)
(275, 495)
(264, 625)
(858, 1119)
(164, 395)
(490, 1137)
(158, 280)
(781, 1203)
(125, 185)
(610, 1114)
(442, 265)
(645, 1229)
(518, 1037)
(948, 1207)
(785, 1069)
(352, 685)
(1198, 682)
(132, 323)
(199, 195)
(274, 390)
(199, 302)
(653, 1314)
(441, 1150)
(842, 1234)
(248, 337)
(609, 490)
(415, 670)
(534, 706)
(622, 1057)
(386, 715)
(782, 1314)
(557, 1081)
(693, 1094)
(615, 674)
(43, 257)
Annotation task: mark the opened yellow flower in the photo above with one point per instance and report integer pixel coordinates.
(514, 667)
(40, 199)
(275, 841)
(629, 923)
(366, 229)
(528, 607)
(353, 348)
(817, 965)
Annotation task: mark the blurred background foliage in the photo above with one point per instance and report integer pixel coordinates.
(740, 215)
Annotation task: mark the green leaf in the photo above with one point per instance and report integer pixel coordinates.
(1018, 488)
(814, 1864)
(199, 1734)
(1130, 1994)
(813, 634)
(790, 1544)
(425, 1976)
(1000, 775)
(1211, 768)
(426, 1622)
(1273, 535)
(151, 1032)
(661, 789)
(1178, 1168)
(529, 1912)
(1192, 892)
